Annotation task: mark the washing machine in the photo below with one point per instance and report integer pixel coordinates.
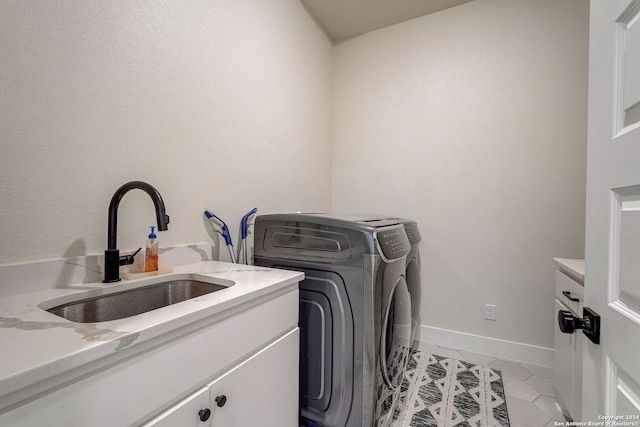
(355, 311)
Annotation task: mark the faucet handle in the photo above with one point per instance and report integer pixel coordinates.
(128, 259)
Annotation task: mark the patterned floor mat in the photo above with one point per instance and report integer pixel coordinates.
(443, 392)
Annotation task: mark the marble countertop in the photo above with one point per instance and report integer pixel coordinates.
(573, 267)
(38, 346)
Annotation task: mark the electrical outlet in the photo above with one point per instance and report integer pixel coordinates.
(490, 312)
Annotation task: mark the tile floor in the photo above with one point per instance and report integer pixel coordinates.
(528, 388)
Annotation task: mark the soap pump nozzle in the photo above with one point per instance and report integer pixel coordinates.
(151, 254)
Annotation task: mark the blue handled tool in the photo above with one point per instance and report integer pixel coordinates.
(221, 228)
(243, 256)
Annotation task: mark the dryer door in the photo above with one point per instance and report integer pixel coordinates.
(396, 334)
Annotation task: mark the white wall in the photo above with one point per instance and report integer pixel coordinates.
(472, 121)
(221, 105)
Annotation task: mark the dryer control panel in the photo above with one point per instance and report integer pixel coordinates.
(393, 243)
(412, 232)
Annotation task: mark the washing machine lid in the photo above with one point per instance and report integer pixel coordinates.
(389, 233)
(410, 226)
(329, 236)
(365, 221)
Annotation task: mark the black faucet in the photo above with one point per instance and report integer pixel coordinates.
(112, 254)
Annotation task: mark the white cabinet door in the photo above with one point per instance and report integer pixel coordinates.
(262, 391)
(186, 413)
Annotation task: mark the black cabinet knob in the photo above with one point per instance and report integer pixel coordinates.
(221, 400)
(204, 414)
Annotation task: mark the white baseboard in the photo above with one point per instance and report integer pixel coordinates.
(502, 349)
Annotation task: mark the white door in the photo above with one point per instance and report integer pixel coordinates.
(611, 370)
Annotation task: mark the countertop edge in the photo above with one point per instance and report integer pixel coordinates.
(573, 267)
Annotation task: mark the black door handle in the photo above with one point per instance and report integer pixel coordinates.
(567, 321)
(589, 323)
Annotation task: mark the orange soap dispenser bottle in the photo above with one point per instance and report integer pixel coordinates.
(151, 254)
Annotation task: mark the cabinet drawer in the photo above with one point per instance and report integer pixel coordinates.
(569, 292)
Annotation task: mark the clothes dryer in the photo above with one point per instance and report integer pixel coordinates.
(412, 274)
(412, 268)
(355, 312)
